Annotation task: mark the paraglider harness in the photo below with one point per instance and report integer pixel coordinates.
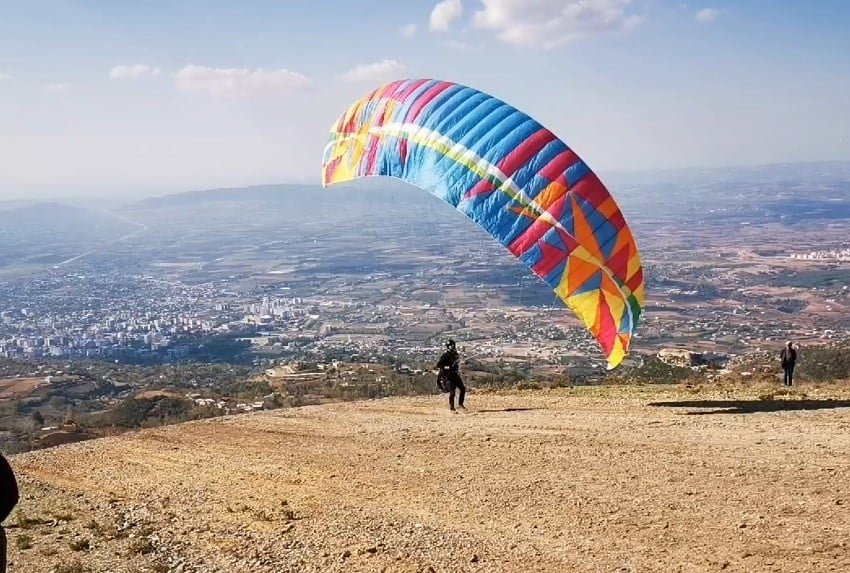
(441, 386)
(448, 367)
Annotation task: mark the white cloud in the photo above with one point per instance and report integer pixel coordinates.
(549, 23)
(444, 14)
(385, 69)
(59, 88)
(408, 31)
(707, 15)
(5, 77)
(238, 81)
(132, 72)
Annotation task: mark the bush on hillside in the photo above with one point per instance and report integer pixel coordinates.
(134, 413)
(655, 371)
(824, 363)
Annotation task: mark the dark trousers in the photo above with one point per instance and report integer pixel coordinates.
(455, 383)
(788, 378)
(2, 550)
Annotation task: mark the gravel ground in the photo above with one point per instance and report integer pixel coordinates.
(586, 479)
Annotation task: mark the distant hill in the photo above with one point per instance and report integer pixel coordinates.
(255, 193)
(58, 221)
(15, 204)
(285, 193)
(283, 204)
(786, 191)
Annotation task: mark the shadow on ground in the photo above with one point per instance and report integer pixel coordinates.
(507, 410)
(751, 406)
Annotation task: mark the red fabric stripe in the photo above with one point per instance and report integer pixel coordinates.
(560, 163)
(404, 94)
(556, 209)
(568, 240)
(393, 89)
(537, 229)
(371, 155)
(552, 257)
(330, 169)
(617, 220)
(516, 159)
(483, 187)
(607, 328)
(562, 181)
(523, 152)
(402, 151)
(618, 263)
(635, 280)
(425, 99)
(591, 189)
(349, 127)
(382, 116)
(529, 237)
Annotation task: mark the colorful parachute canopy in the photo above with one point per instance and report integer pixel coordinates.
(513, 177)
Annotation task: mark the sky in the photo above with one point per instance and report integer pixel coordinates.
(134, 98)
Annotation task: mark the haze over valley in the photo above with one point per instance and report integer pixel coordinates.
(737, 260)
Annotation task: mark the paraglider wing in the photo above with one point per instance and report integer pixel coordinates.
(511, 176)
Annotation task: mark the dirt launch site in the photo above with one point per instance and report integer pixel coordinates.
(571, 479)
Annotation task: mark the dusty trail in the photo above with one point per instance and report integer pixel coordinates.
(563, 480)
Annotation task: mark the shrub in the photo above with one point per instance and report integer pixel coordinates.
(74, 566)
(23, 541)
(655, 371)
(824, 363)
(80, 545)
(134, 413)
(141, 546)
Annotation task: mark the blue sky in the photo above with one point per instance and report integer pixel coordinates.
(136, 98)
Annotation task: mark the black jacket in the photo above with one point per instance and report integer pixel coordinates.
(788, 357)
(449, 362)
(8, 489)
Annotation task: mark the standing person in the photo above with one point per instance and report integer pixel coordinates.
(8, 500)
(788, 356)
(449, 373)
